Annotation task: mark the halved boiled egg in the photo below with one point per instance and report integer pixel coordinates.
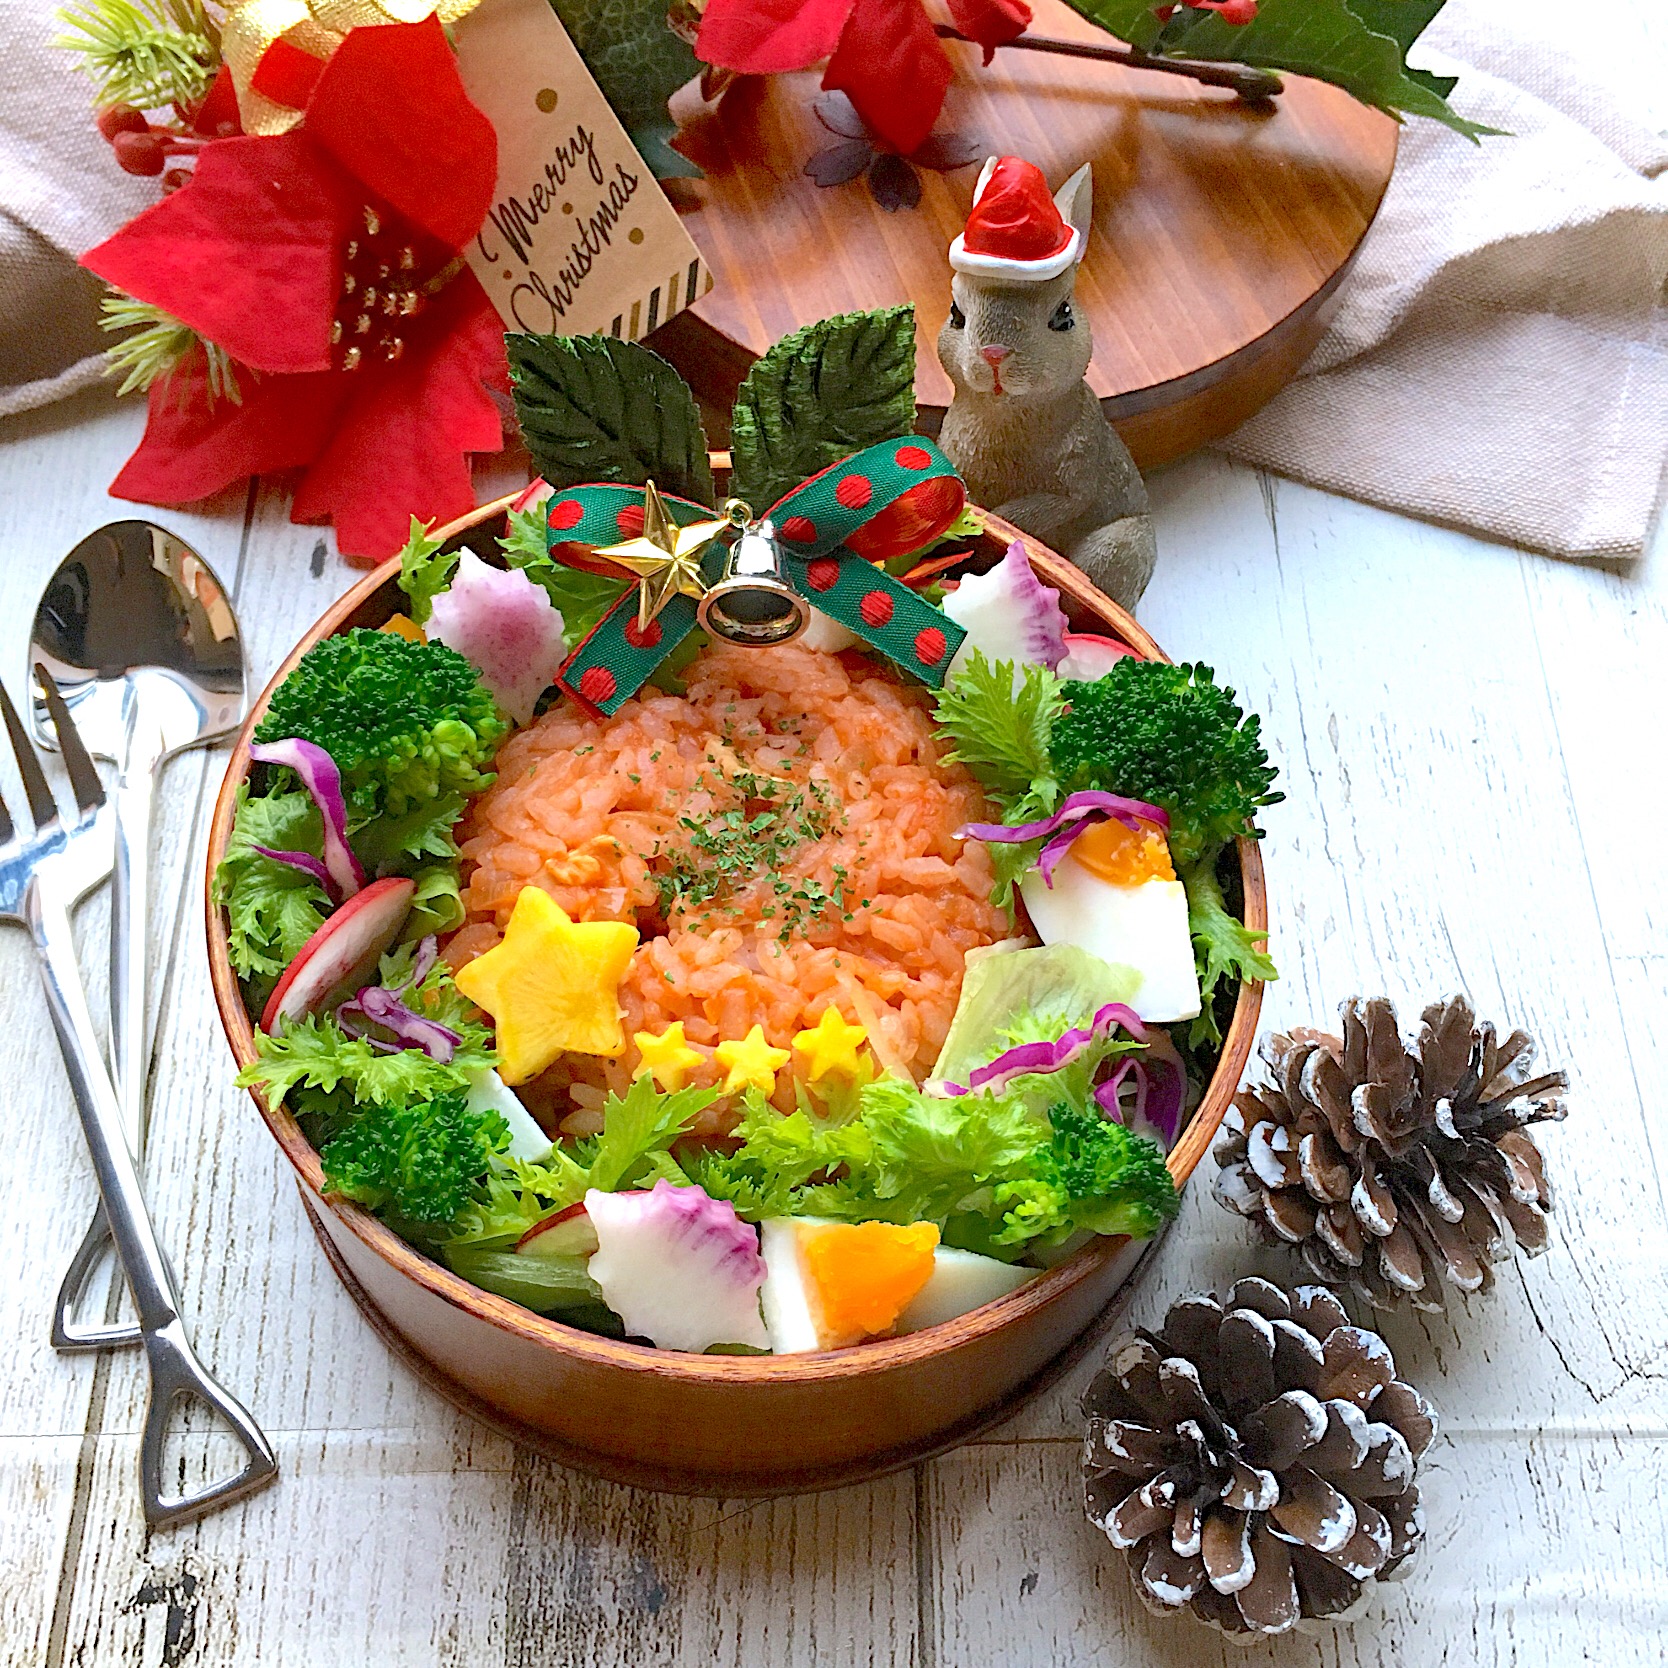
(1115, 894)
(829, 1284)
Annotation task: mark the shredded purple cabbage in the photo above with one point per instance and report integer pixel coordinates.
(375, 1005)
(1160, 1089)
(323, 781)
(1034, 1057)
(1159, 1083)
(381, 1006)
(1078, 811)
(306, 863)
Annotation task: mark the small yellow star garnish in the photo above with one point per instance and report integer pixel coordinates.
(831, 1045)
(552, 986)
(666, 557)
(668, 1058)
(751, 1063)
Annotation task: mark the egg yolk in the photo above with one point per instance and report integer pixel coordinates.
(1123, 856)
(863, 1275)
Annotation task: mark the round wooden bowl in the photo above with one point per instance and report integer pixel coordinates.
(710, 1424)
(1222, 229)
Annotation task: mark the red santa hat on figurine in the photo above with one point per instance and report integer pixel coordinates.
(1016, 231)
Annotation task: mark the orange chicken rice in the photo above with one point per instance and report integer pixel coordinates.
(783, 837)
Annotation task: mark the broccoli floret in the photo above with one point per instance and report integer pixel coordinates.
(407, 723)
(419, 1162)
(1173, 736)
(1117, 1181)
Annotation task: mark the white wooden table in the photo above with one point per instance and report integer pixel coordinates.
(1471, 740)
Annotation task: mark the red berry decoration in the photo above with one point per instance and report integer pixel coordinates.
(141, 153)
(121, 118)
(1237, 12)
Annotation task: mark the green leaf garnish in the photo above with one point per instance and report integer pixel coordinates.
(593, 408)
(819, 395)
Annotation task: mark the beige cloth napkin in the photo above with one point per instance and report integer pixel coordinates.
(1499, 357)
(60, 193)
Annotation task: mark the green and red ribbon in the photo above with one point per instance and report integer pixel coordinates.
(882, 502)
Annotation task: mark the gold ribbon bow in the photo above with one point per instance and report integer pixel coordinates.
(316, 27)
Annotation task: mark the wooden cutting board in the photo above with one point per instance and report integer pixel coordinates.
(1222, 229)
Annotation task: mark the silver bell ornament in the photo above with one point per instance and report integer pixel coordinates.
(753, 604)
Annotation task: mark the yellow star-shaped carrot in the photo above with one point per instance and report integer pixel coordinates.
(668, 1058)
(831, 1045)
(552, 986)
(751, 1063)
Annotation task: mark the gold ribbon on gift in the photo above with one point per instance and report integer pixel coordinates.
(316, 27)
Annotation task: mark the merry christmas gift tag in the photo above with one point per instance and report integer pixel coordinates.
(579, 237)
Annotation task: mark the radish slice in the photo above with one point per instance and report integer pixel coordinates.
(569, 1233)
(1090, 656)
(1009, 614)
(506, 627)
(342, 955)
(678, 1268)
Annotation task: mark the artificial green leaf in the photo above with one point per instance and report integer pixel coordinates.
(1404, 21)
(1134, 21)
(654, 144)
(1328, 40)
(594, 408)
(1359, 45)
(819, 395)
(629, 46)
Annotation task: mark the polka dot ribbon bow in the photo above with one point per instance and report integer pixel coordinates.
(883, 502)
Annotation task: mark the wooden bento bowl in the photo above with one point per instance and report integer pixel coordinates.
(713, 1424)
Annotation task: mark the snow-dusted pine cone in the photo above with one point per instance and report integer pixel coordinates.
(1398, 1171)
(1255, 1458)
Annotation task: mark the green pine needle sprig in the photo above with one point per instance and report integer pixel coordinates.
(158, 344)
(147, 53)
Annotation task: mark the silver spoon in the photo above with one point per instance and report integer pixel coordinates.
(140, 636)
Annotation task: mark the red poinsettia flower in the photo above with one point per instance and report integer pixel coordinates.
(324, 263)
(883, 54)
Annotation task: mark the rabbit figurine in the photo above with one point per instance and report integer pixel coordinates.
(1024, 428)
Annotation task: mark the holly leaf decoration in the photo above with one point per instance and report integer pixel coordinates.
(593, 408)
(1359, 45)
(1134, 21)
(819, 395)
(639, 63)
(1404, 21)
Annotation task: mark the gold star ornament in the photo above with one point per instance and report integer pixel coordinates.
(666, 557)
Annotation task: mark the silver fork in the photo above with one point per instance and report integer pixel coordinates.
(41, 876)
